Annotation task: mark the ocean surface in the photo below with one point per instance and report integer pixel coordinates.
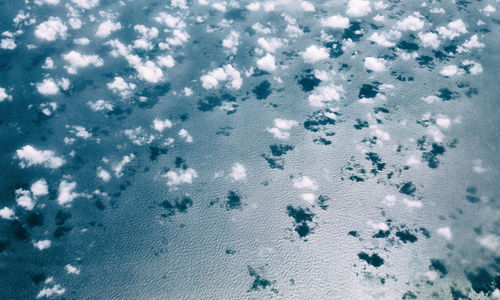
(211, 149)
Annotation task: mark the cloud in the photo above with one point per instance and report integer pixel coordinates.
(56, 289)
(40, 188)
(106, 28)
(181, 176)
(358, 8)
(226, 73)
(49, 2)
(78, 60)
(48, 87)
(410, 23)
(453, 29)
(429, 39)
(86, 4)
(7, 213)
(118, 169)
(119, 86)
(51, 29)
(445, 232)
(66, 193)
(238, 172)
(184, 134)
(30, 156)
(336, 21)
(71, 269)
(231, 42)
(375, 64)
(43, 244)
(103, 174)
(384, 39)
(451, 70)
(269, 44)
(281, 128)
(325, 94)
(100, 105)
(267, 63)
(304, 183)
(4, 96)
(8, 44)
(314, 54)
(160, 125)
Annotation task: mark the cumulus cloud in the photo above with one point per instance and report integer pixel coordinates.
(119, 86)
(181, 176)
(304, 183)
(445, 232)
(281, 128)
(86, 4)
(429, 39)
(375, 64)
(103, 174)
(450, 70)
(40, 188)
(4, 96)
(42, 245)
(269, 44)
(358, 8)
(231, 42)
(410, 23)
(24, 199)
(30, 156)
(48, 2)
(71, 269)
(78, 60)
(106, 28)
(166, 61)
(267, 63)
(160, 125)
(51, 29)
(336, 21)
(453, 29)
(66, 193)
(100, 105)
(56, 289)
(8, 44)
(184, 134)
(314, 54)
(238, 172)
(48, 87)
(7, 213)
(225, 73)
(384, 39)
(325, 94)
(118, 169)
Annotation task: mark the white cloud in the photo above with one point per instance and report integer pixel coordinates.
(226, 73)
(43, 244)
(160, 125)
(375, 64)
(78, 60)
(445, 232)
(49, 2)
(4, 96)
(24, 199)
(267, 63)
(107, 27)
(7, 213)
(443, 122)
(308, 197)
(413, 203)
(490, 242)
(56, 289)
(378, 226)
(119, 86)
(169, 20)
(181, 176)
(325, 94)
(307, 6)
(336, 21)
(238, 172)
(472, 67)
(384, 39)
(314, 54)
(429, 39)
(118, 169)
(100, 105)
(103, 174)
(358, 8)
(40, 188)
(453, 29)
(30, 156)
(149, 71)
(253, 6)
(478, 166)
(86, 4)
(231, 42)
(166, 61)
(51, 29)
(304, 183)
(410, 23)
(138, 136)
(471, 44)
(49, 64)
(8, 44)
(269, 44)
(81, 41)
(66, 193)
(184, 134)
(281, 128)
(71, 269)
(451, 70)
(47, 87)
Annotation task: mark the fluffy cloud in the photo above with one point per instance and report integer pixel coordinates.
(160, 125)
(238, 172)
(40, 188)
(384, 39)
(324, 95)
(30, 156)
(118, 169)
(43, 244)
(78, 60)
(49, 2)
(119, 86)
(181, 176)
(307, 6)
(304, 183)
(453, 29)
(410, 23)
(48, 87)
(107, 27)
(56, 289)
(166, 61)
(336, 21)
(66, 193)
(7, 213)
(100, 105)
(51, 29)
(184, 134)
(71, 269)
(269, 44)
(450, 70)
(86, 4)
(24, 199)
(314, 54)
(231, 42)
(226, 73)
(375, 64)
(358, 8)
(4, 96)
(429, 39)
(267, 63)
(281, 128)
(445, 232)
(8, 44)
(103, 174)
